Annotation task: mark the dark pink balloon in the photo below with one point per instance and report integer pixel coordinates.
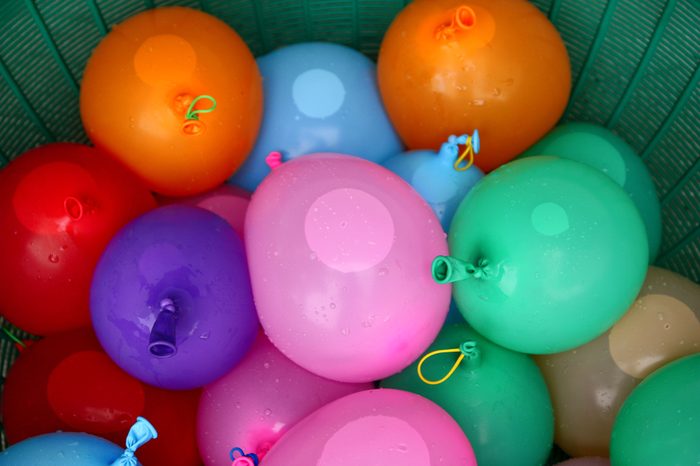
(252, 406)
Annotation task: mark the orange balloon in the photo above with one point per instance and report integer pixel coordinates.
(176, 95)
(451, 66)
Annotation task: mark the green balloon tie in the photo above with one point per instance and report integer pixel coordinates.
(193, 114)
(12, 337)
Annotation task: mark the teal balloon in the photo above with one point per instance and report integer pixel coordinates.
(600, 148)
(659, 423)
(546, 254)
(497, 396)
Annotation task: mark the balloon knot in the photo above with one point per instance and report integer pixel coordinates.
(273, 160)
(449, 151)
(192, 125)
(463, 18)
(240, 458)
(467, 350)
(140, 433)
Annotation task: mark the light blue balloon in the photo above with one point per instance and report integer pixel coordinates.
(78, 449)
(435, 178)
(318, 97)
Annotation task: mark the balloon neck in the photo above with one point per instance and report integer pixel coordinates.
(161, 343)
(74, 208)
(471, 353)
(140, 433)
(450, 154)
(240, 458)
(274, 160)
(192, 125)
(448, 269)
(462, 19)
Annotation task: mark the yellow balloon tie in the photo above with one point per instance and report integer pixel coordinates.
(471, 147)
(434, 353)
(467, 348)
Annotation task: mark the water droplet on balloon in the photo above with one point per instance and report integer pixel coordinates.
(205, 336)
(496, 92)
(402, 447)
(332, 305)
(382, 272)
(345, 331)
(477, 102)
(53, 258)
(267, 412)
(660, 315)
(266, 365)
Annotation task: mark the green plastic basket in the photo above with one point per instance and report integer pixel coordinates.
(635, 70)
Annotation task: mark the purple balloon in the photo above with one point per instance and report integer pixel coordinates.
(171, 300)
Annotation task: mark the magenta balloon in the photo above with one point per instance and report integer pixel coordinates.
(252, 406)
(375, 428)
(588, 461)
(340, 251)
(226, 201)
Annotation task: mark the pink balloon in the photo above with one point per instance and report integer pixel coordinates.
(228, 202)
(588, 461)
(258, 401)
(375, 428)
(340, 259)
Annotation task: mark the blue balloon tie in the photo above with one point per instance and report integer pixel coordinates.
(242, 458)
(140, 433)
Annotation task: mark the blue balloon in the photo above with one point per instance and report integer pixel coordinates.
(439, 177)
(453, 315)
(318, 97)
(78, 449)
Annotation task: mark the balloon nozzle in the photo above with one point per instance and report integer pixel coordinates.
(462, 19)
(140, 433)
(447, 269)
(273, 160)
(449, 151)
(161, 343)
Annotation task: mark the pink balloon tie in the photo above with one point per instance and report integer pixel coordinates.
(273, 160)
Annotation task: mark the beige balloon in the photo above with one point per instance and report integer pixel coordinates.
(589, 384)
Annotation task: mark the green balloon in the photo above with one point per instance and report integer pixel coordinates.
(497, 396)
(546, 254)
(599, 148)
(659, 423)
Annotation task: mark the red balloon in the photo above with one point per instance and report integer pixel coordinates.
(60, 204)
(67, 382)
